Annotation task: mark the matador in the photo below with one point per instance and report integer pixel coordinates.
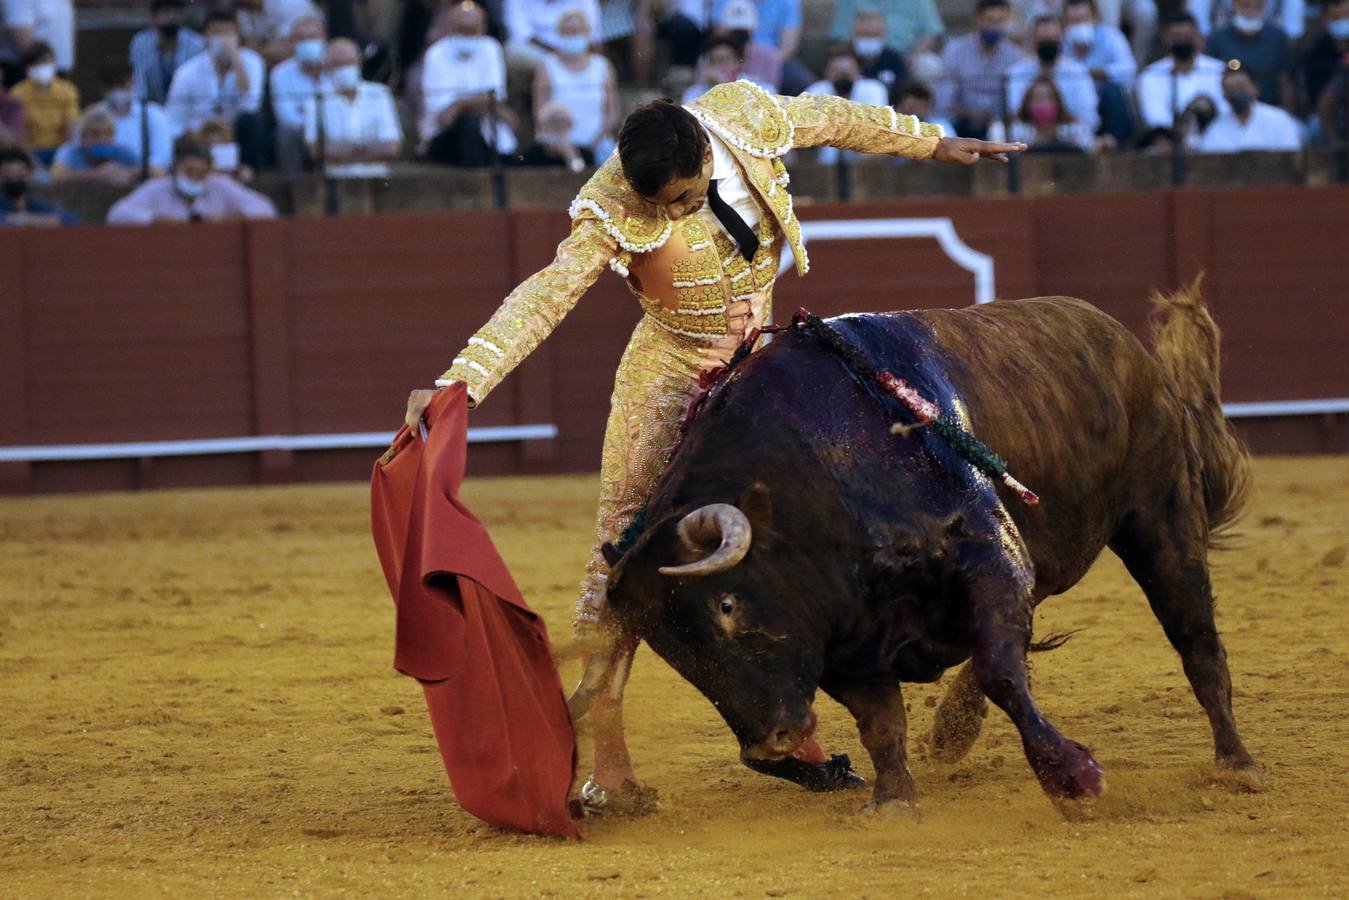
(694, 213)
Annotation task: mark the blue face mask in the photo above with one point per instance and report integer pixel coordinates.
(1339, 29)
(990, 36)
(101, 152)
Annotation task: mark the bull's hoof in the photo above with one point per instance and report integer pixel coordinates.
(1239, 774)
(835, 775)
(629, 800)
(1071, 774)
(894, 809)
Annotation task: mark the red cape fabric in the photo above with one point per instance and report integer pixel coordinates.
(463, 630)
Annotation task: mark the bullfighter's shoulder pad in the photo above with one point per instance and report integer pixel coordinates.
(638, 225)
(747, 117)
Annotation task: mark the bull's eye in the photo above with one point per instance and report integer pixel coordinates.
(727, 606)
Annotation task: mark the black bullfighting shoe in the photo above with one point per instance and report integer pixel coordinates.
(835, 775)
(629, 800)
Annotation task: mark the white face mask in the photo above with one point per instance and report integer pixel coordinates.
(1081, 34)
(118, 100)
(309, 52)
(42, 73)
(868, 46)
(1247, 24)
(461, 45)
(188, 187)
(221, 47)
(346, 78)
(573, 44)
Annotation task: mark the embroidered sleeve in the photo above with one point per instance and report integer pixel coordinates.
(533, 310)
(819, 120)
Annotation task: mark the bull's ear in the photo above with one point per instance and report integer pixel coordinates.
(757, 507)
(610, 553)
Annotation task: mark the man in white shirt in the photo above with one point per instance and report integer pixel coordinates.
(843, 78)
(1072, 79)
(1105, 52)
(1249, 124)
(50, 22)
(139, 126)
(1172, 83)
(294, 82)
(265, 25)
(224, 83)
(465, 120)
(352, 127)
(531, 28)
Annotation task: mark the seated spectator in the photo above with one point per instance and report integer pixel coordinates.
(51, 105)
(1249, 124)
(139, 126)
(1169, 86)
(94, 154)
(970, 90)
(876, 58)
(1210, 15)
(843, 78)
(355, 132)
(583, 82)
(158, 51)
(50, 22)
(553, 145)
(723, 61)
(532, 30)
(265, 26)
(1102, 49)
(774, 35)
(293, 83)
(193, 193)
(218, 136)
(1260, 47)
(464, 120)
(1327, 57)
(225, 82)
(684, 29)
(1076, 89)
(914, 98)
(1045, 122)
(909, 27)
(17, 204)
(1141, 16)
(11, 119)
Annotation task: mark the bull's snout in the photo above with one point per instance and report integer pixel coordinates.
(782, 741)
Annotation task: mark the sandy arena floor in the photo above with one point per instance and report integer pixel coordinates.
(197, 697)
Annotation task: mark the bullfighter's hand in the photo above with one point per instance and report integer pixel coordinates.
(969, 151)
(418, 400)
(738, 316)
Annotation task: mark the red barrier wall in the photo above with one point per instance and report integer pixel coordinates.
(322, 325)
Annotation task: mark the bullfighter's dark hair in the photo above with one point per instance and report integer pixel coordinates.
(659, 142)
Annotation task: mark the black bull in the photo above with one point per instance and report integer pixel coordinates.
(795, 542)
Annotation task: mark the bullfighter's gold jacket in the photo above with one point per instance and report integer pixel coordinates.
(675, 268)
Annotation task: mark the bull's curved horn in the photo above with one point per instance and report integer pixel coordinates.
(716, 521)
(593, 678)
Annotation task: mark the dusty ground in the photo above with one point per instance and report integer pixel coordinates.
(197, 695)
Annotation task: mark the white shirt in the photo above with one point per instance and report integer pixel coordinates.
(1268, 128)
(1155, 101)
(158, 131)
(864, 90)
(51, 21)
(274, 20)
(731, 187)
(198, 93)
(583, 93)
(367, 118)
(1290, 15)
(455, 68)
(537, 19)
(1074, 83)
(291, 89)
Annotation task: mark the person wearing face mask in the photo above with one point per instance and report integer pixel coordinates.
(722, 62)
(139, 126)
(265, 26)
(464, 120)
(552, 142)
(292, 84)
(192, 193)
(225, 82)
(843, 78)
(1325, 63)
(1044, 122)
(50, 22)
(908, 27)
(1105, 53)
(159, 50)
(1075, 86)
(1210, 15)
(18, 206)
(95, 154)
(1260, 47)
(584, 82)
(532, 31)
(1249, 124)
(51, 105)
(354, 129)
(1170, 85)
(973, 66)
(875, 58)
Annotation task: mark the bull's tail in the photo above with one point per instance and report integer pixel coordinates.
(1186, 342)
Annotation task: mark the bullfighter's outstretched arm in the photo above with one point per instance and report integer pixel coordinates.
(531, 311)
(820, 120)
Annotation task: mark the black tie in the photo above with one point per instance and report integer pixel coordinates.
(745, 238)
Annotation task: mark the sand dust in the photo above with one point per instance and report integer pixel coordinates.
(197, 696)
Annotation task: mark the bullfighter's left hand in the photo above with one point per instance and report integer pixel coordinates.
(969, 151)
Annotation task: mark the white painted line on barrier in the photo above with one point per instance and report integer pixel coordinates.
(209, 446)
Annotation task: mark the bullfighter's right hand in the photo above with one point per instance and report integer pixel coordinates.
(418, 400)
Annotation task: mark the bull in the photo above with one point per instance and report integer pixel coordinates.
(796, 544)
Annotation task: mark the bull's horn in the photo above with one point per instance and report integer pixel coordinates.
(714, 522)
(593, 678)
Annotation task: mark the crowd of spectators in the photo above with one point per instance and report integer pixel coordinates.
(257, 85)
